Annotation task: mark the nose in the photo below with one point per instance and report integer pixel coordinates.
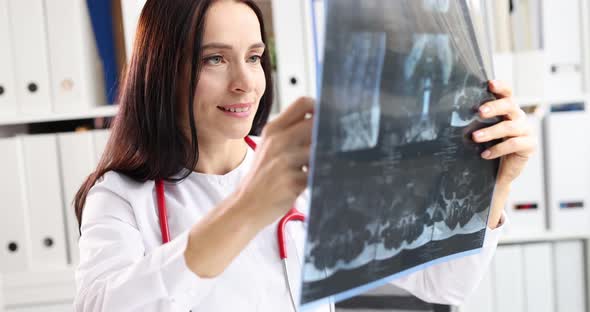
(242, 80)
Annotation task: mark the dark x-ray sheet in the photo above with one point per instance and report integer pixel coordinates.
(397, 184)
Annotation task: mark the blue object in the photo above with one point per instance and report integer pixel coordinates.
(100, 12)
(568, 107)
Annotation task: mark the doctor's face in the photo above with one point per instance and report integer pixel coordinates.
(231, 81)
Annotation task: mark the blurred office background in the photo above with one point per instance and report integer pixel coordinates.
(60, 65)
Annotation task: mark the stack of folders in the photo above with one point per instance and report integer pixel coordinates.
(567, 168)
(530, 41)
(40, 176)
(553, 192)
(537, 277)
(526, 207)
(49, 58)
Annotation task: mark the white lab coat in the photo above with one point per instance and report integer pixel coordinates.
(124, 267)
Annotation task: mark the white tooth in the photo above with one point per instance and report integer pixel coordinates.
(237, 110)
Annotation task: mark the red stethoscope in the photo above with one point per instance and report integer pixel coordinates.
(293, 214)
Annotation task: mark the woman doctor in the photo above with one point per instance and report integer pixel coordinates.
(198, 83)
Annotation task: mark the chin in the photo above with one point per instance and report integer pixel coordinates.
(237, 131)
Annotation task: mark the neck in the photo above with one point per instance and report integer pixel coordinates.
(220, 156)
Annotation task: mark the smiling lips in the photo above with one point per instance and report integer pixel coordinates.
(240, 110)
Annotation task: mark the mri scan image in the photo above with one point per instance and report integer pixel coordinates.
(396, 180)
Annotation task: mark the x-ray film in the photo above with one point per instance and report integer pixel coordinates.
(397, 184)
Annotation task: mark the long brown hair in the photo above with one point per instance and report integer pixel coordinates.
(146, 141)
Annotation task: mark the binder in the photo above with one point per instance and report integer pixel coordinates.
(538, 271)
(119, 36)
(563, 47)
(528, 72)
(504, 68)
(76, 72)
(526, 24)
(101, 18)
(27, 21)
(44, 202)
(101, 138)
(79, 153)
(7, 88)
(502, 26)
(131, 10)
(568, 171)
(77, 160)
(478, 10)
(482, 300)
(509, 282)
(569, 276)
(14, 248)
(294, 38)
(526, 202)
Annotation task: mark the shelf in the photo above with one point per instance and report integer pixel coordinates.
(99, 111)
(542, 237)
(544, 101)
(50, 286)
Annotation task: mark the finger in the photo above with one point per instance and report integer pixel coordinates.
(500, 88)
(505, 129)
(299, 158)
(299, 134)
(296, 161)
(521, 145)
(294, 113)
(501, 107)
(300, 182)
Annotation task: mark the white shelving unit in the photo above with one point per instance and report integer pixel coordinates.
(544, 237)
(99, 111)
(544, 102)
(52, 287)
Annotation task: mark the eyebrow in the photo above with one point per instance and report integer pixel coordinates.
(223, 46)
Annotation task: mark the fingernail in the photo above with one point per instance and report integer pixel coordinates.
(484, 109)
(494, 83)
(486, 154)
(479, 134)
